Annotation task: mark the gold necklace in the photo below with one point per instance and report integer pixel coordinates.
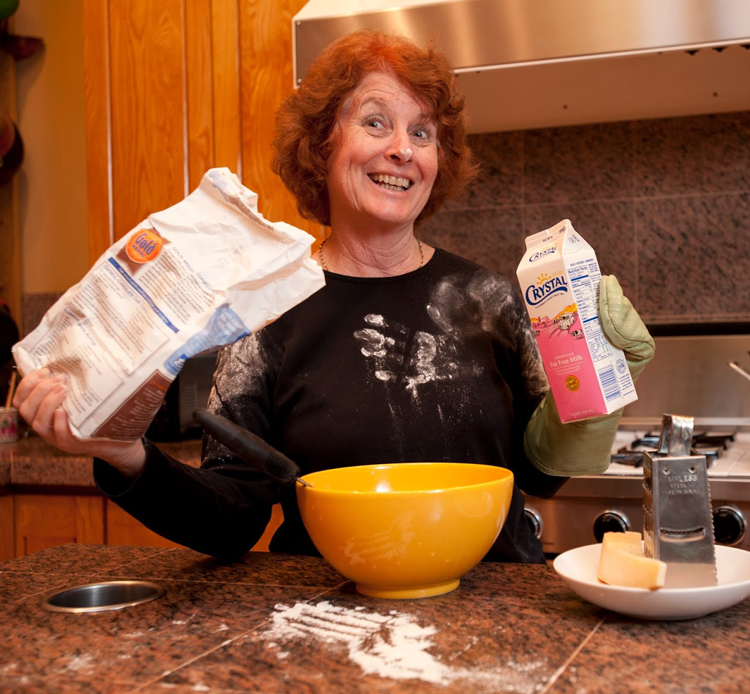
(325, 267)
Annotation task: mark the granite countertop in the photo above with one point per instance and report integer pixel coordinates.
(32, 461)
(278, 623)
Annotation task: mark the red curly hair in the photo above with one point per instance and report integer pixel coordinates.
(304, 140)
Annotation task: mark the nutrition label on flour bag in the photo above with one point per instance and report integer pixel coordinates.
(196, 276)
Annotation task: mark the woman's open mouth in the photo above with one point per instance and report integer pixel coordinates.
(390, 182)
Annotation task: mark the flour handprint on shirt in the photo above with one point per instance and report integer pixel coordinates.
(401, 356)
(416, 357)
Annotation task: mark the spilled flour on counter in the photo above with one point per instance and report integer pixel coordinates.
(390, 645)
(85, 662)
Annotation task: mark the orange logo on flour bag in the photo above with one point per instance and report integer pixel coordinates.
(144, 245)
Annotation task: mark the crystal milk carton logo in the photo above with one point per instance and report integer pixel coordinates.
(559, 277)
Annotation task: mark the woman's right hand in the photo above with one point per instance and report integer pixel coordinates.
(39, 398)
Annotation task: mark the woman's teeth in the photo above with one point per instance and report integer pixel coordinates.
(390, 182)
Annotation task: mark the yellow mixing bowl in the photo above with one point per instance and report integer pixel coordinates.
(406, 530)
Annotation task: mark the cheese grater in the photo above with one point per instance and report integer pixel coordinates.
(677, 520)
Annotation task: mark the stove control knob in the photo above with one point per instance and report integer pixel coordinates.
(610, 522)
(535, 521)
(729, 525)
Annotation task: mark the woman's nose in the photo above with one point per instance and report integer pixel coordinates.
(405, 154)
(399, 149)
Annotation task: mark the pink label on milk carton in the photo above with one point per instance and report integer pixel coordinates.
(559, 277)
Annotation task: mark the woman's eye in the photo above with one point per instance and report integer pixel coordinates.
(422, 134)
(374, 123)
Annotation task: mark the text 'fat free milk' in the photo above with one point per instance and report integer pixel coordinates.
(559, 277)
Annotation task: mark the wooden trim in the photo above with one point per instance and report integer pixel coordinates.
(277, 518)
(11, 263)
(7, 529)
(266, 80)
(124, 529)
(54, 490)
(89, 520)
(226, 73)
(44, 520)
(98, 126)
(147, 88)
(199, 89)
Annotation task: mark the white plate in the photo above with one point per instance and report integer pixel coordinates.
(578, 567)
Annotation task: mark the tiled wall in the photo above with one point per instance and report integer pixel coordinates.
(34, 306)
(665, 204)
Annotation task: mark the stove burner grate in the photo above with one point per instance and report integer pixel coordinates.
(708, 443)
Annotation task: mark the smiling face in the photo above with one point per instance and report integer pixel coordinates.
(385, 161)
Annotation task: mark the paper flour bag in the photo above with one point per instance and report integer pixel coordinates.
(559, 277)
(198, 275)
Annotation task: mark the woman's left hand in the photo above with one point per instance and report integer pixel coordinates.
(623, 326)
(584, 447)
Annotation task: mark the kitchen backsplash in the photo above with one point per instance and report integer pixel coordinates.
(665, 203)
(34, 306)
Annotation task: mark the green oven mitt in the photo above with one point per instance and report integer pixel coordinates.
(623, 326)
(584, 448)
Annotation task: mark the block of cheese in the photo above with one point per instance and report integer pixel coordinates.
(628, 540)
(622, 563)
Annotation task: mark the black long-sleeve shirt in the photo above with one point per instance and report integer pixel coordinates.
(439, 364)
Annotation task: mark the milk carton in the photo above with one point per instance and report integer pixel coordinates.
(559, 277)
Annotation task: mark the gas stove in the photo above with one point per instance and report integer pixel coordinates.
(727, 452)
(689, 376)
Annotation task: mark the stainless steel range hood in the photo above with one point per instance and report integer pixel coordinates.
(536, 63)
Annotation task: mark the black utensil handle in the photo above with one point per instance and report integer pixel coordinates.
(248, 446)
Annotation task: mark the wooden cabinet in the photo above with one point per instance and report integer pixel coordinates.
(10, 233)
(123, 529)
(48, 520)
(173, 88)
(7, 528)
(277, 518)
(33, 522)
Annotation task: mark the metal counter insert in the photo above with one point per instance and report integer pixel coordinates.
(99, 597)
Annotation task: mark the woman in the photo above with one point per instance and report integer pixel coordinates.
(409, 353)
